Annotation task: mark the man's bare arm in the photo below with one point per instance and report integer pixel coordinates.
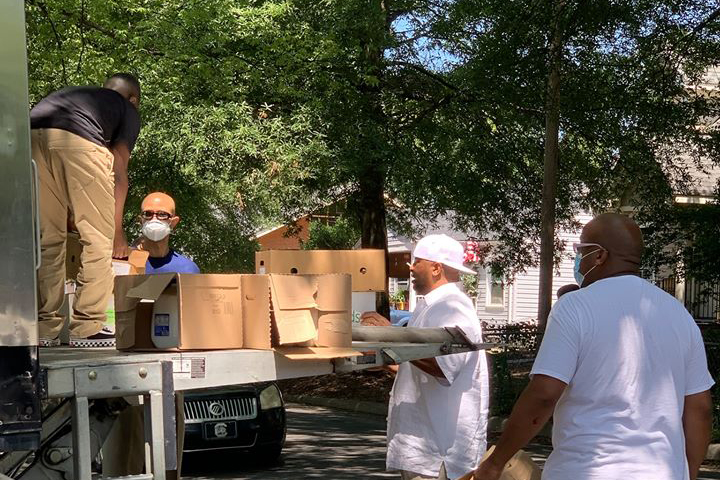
(532, 410)
(697, 425)
(429, 366)
(121, 156)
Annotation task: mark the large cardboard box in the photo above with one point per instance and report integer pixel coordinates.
(299, 316)
(302, 317)
(178, 312)
(366, 266)
(311, 310)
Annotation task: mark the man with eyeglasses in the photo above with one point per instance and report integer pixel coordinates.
(158, 221)
(124, 451)
(437, 422)
(622, 370)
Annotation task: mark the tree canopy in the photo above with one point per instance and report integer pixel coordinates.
(256, 112)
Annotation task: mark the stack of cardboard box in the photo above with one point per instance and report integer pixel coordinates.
(299, 303)
(366, 266)
(300, 316)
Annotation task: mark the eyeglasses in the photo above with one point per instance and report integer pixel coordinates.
(578, 246)
(160, 215)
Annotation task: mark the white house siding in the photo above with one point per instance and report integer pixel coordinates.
(491, 314)
(522, 294)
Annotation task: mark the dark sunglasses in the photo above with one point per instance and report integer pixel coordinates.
(149, 214)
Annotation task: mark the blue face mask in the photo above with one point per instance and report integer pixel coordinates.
(580, 277)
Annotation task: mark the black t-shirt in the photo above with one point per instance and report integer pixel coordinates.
(99, 115)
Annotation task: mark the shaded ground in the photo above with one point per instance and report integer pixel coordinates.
(327, 444)
(321, 443)
(364, 385)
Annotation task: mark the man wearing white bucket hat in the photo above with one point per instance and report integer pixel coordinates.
(438, 408)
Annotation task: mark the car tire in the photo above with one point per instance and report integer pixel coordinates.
(268, 454)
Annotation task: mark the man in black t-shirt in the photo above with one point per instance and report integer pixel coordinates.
(81, 140)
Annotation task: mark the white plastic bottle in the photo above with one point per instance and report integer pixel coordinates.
(165, 328)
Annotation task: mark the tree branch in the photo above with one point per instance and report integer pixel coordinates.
(82, 21)
(82, 37)
(432, 108)
(687, 38)
(58, 40)
(427, 73)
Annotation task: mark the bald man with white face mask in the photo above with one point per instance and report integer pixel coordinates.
(124, 450)
(158, 221)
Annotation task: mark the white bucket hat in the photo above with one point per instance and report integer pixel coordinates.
(442, 249)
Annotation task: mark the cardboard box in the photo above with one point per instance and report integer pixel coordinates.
(520, 467)
(134, 265)
(311, 316)
(311, 310)
(366, 266)
(199, 312)
(300, 316)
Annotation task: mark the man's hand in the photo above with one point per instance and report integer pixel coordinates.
(120, 246)
(532, 410)
(488, 471)
(374, 319)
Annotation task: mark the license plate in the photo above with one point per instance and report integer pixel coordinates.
(220, 430)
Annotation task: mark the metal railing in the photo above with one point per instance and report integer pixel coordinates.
(702, 299)
(511, 363)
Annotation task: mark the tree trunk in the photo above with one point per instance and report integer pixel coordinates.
(550, 177)
(372, 180)
(374, 227)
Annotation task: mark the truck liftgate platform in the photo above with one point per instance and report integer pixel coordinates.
(73, 431)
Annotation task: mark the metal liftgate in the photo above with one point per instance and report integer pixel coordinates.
(74, 432)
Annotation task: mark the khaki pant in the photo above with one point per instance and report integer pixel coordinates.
(77, 175)
(405, 475)
(124, 448)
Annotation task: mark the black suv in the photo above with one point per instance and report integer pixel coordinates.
(247, 417)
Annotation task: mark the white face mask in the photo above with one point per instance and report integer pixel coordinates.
(156, 230)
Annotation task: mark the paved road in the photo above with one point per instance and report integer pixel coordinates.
(322, 443)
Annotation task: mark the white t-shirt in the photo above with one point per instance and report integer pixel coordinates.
(629, 353)
(431, 420)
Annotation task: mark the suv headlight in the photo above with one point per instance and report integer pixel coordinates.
(270, 398)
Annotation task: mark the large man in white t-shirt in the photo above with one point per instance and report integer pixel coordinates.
(438, 409)
(623, 366)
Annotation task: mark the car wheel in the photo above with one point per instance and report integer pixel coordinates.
(268, 454)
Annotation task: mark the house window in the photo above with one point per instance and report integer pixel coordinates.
(495, 290)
